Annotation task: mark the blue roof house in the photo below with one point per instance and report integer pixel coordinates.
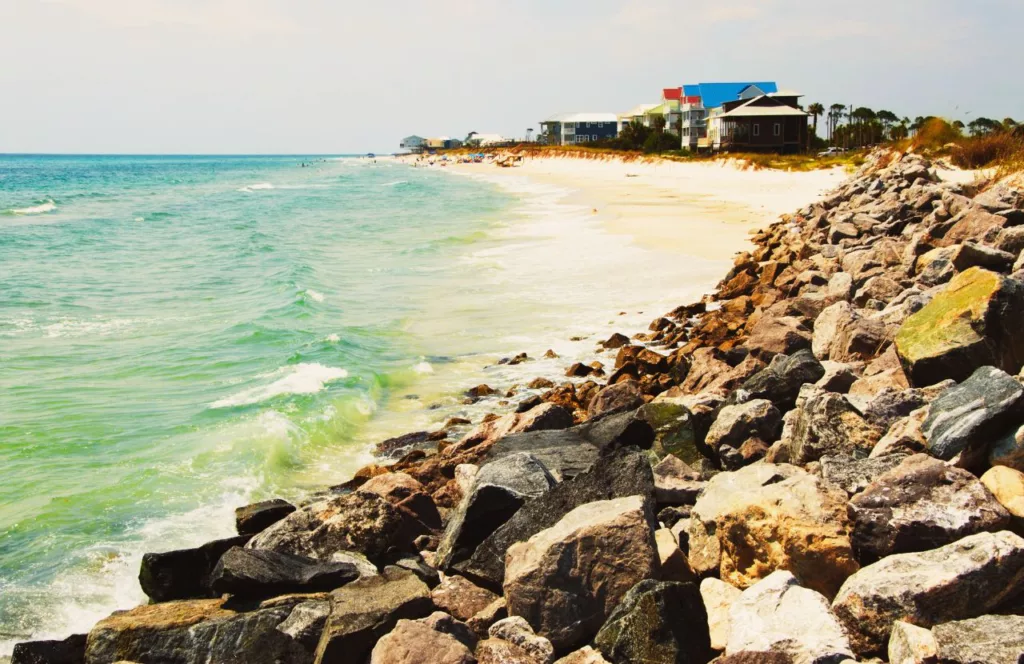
(715, 94)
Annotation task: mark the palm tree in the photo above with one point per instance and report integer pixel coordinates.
(888, 119)
(835, 112)
(815, 110)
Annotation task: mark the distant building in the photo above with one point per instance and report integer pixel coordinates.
(771, 122)
(635, 114)
(572, 128)
(697, 102)
(477, 139)
(413, 143)
(443, 143)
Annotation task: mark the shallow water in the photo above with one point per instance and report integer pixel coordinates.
(181, 335)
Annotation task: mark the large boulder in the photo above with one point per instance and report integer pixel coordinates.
(367, 609)
(988, 639)
(410, 640)
(675, 427)
(758, 418)
(499, 490)
(825, 423)
(281, 631)
(676, 483)
(777, 614)
(781, 380)
(919, 505)
(965, 579)
(774, 335)
(657, 621)
(969, 415)
(257, 517)
(853, 474)
(624, 473)
(184, 573)
(718, 599)
(461, 598)
(249, 573)
(566, 580)
(625, 395)
(842, 334)
(408, 495)
(749, 523)
(976, 320)
(361, 522)
(66, 651)
(513, 641)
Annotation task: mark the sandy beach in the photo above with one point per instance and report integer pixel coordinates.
(706, 210)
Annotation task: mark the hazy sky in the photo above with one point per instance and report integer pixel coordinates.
(330, 76)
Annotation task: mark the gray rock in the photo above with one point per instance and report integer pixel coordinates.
(853, 474)
(965, 579)
(781, 380)
(257, 517)
(657, 621)
(824, 423)
(566, 580)
(624, 473)
(676, 483)
(891, 404)
(757, 418)
(919, 505)
(778, 615)
(499, 490)
(988, 639)
(910, 644)
(253, 573)
(1008, 449)
(185, 573)
(973, 412)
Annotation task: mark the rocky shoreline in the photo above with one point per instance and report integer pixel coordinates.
(820, 462)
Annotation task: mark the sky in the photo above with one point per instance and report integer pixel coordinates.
(337, 76)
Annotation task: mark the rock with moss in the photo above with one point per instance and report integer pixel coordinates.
(976, 320)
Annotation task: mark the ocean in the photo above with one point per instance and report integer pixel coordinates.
(182, 335)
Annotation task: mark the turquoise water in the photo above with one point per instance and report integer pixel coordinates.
(184, 334)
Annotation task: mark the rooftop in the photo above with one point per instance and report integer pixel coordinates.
(716, 94)
(747, 110)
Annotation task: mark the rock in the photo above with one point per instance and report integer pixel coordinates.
(839, 377)
(781, 380)
(1008, 450)
(367, 609)
(881, 287)
(517, 632)
(718, 598)
(671, 559)
(361, 522)
(624, 473)
(675, 483)
(618, 397)
(840, 286)
(748, 523)
(965, 579)
(972, 413)
(416, 564)
(500, 488)
(492, 613)
(919, 505)
(988, 639)
(540, 383)
(461, 597)
(617, 340)
(657, 621)
(185, 573)
(891, 404)
(1007, 486)
(254, 519)
(410, 640)
(910, 644)
(1011, 240)
(200, 631)
(778, 615)
(853, 474)
(750, 657)
(842, 334)
(480, 391)
(757, 418)
(68, 651)
(674, 428)
(585, 655)
(974, 223)
(974, 321)
(408, 495)
(566, 580)
(904, 436)
(249, 573)
(824, 423)
(774, 335)
(398, 446)
(544, 417)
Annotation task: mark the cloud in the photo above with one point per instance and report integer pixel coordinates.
(223, 18)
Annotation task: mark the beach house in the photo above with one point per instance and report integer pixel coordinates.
(699, 99)
(443, 143)
(635, 114)
(413, 143)
(572, 128)
(759, 122)
(477, 139)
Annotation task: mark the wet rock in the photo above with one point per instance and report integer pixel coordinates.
(988, 639)
(566, 580)
(657, 621)
(718, 598)
(499, 489)
(200, 631)
(779, 615)
(748, 523)
(974, 321)
(361, 522)
(624, 473)
(67, 651)
(617, 340)
(540, 383)
(826, 423)
(919, 505)
(254, 519)
(910, 644)
(781, 380)
(392, 448)
(410, 640)
(735, 424)
(625, 395)
(461, 597)
(973, 412)
(965, 579)
(185, 573)
(367, 609)
(854, 474)
(249, 573)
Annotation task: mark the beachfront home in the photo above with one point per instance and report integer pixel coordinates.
(477, 139)
(766, 122)
(443, 143)
(635, 114)
(570, 128)
(699, 99)
(413, 143)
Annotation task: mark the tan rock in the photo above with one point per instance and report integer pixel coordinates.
(461, 597)
(910, 644)
(411, 639)
(674, 566)
(1007, 485)
(586, 655)
(718, 599)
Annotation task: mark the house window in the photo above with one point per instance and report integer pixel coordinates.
(757, 129)
(600, 125)
(588, 125)
(778, 129)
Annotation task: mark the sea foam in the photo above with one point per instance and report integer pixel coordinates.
(42, 208)
(256, 187)
(304, 378)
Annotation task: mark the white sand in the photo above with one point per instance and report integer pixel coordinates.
(703, 209)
